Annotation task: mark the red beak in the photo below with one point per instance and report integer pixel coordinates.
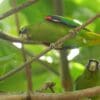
(48, 18)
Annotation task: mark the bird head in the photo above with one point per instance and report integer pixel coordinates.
(93, 65)
(54, 18)
(24, 33)
(23, 30)
(62, 20)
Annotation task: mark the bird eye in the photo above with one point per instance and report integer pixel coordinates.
(23, 30)
(53, 19)
(56, 19)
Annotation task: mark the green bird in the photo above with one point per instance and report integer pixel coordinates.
(89, 78)
(55, 27)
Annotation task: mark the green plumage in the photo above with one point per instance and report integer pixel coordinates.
(50, 31)
(90, 77)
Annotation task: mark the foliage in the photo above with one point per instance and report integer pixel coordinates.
(11, 56)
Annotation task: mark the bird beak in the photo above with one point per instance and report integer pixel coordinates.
(48, 18)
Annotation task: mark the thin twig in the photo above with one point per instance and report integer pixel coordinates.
(18, 8)
(16, 17)
(73, 33)
(4, 36)
(66, 79)
(60, 41)
(46, 86)
(28, 67)
(48, 67)
(17, 69)
(45, 64)
(13, 11)
(28, 71)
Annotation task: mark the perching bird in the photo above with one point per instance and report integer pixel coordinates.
(89, 78)
(55, 27)
(70, 23)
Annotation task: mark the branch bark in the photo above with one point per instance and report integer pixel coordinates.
(28, 67)
(16, 9)
(73, 33)
(4, 36)
(76, 95)
(81, 93)
(28, 72)
(52, 46)
(45, 64)
(66, 79)
(17, 69)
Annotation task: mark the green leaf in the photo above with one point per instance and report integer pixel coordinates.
(87, 53)
(10, 58)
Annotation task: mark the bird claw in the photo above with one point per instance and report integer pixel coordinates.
(52, 45)
(56, 46)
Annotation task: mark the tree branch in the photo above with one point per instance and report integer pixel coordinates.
(60, 41)
(18, 8)
(28, 72)
(45, 64)
(28, 68)
(48, 67)
(76, 95)
(66, 79)
(17, 69)
(4, 36)
(73, 33)
(16, 17)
